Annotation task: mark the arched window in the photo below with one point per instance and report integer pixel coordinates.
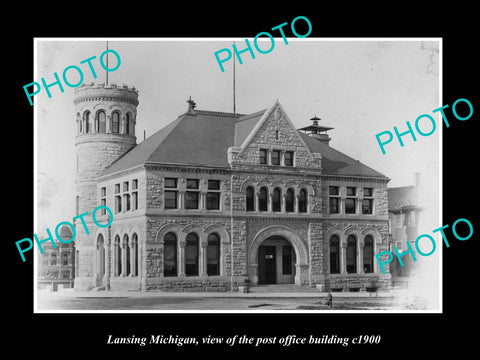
(276, 200)
(100, 255)
(86, 119)
(289, 201)
(135, 254)
(127, 124)
(302, 201)
(351, 254)
(368, 254)
(126, 247)
(64, 258)
(250, 198)
(115, 122)
(101, 122)
(191, 255)
(53, 259)
(170, 255)
(213, 255)
(117, 253)
(79, 121)
(334, 255)
(263, 199)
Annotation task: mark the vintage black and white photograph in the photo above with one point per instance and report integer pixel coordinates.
(209, 175)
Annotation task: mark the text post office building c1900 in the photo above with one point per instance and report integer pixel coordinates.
(216, 200)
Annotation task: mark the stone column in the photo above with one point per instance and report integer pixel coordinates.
(181, 258)
(257, 200)
(132, 257)
(124, 259)
(343, 258)
(283, 205)
(181, 195)
(203, 258)
(360, 247)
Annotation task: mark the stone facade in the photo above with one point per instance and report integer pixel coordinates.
(149, 244)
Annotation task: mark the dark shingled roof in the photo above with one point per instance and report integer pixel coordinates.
(402, 198)
(202, 138)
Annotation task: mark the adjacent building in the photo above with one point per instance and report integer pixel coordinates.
(216, 200)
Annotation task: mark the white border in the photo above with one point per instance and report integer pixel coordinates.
(35, 169)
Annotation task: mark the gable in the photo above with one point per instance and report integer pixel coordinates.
(275, 131)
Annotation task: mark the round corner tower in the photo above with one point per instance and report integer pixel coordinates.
(105, 117)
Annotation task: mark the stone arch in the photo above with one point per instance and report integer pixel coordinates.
(164, 230)
(224, 235)
(374, 233)
(192, 228)
(306, 186)
(248, 183)
(295, 240)
(352, 230)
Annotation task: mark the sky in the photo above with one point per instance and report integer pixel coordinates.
(358, 87)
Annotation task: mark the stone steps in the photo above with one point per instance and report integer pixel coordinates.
(282, 288)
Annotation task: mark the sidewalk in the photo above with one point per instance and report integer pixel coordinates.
(71, 293)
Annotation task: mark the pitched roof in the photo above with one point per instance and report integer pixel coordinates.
(337, 163)
(202, 138)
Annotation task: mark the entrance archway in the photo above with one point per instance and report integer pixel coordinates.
(269, 257)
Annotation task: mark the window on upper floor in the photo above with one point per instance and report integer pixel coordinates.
(250, 198)
(277, 200)
(302, 201)
(101, 122)
(334, 199)
(103, 200)
(351, 200)
(171, 193)
(115, 122)
(192, 194)
(263, 156)
(290, 200)
(275, 157)
(288, 159)
(213, 195)
(263, 199)
(367, 201)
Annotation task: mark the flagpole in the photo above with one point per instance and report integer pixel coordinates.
(234, 110)
(106, 72)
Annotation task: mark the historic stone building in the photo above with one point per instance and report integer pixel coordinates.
(215, 200)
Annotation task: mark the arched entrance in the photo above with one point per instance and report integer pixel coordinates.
(277, 255)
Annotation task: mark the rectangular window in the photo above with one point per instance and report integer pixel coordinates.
(170, 199)
(191, 200)
(171, 196)
(192, 197)
(263, 156)
(351, 191)
(367, 192)
(276, 157)
(118, 204)
(367, 206)
(350, 205)
(213, 195)
(134, 200)
(333, 190)
(103, 200)
(126, 200)
(287, 260)
(171, 183)
(213, 184)
(334, 208)
(288, 158)
(134, 184)
(125, 186)
(192, 183)
(117, 188)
